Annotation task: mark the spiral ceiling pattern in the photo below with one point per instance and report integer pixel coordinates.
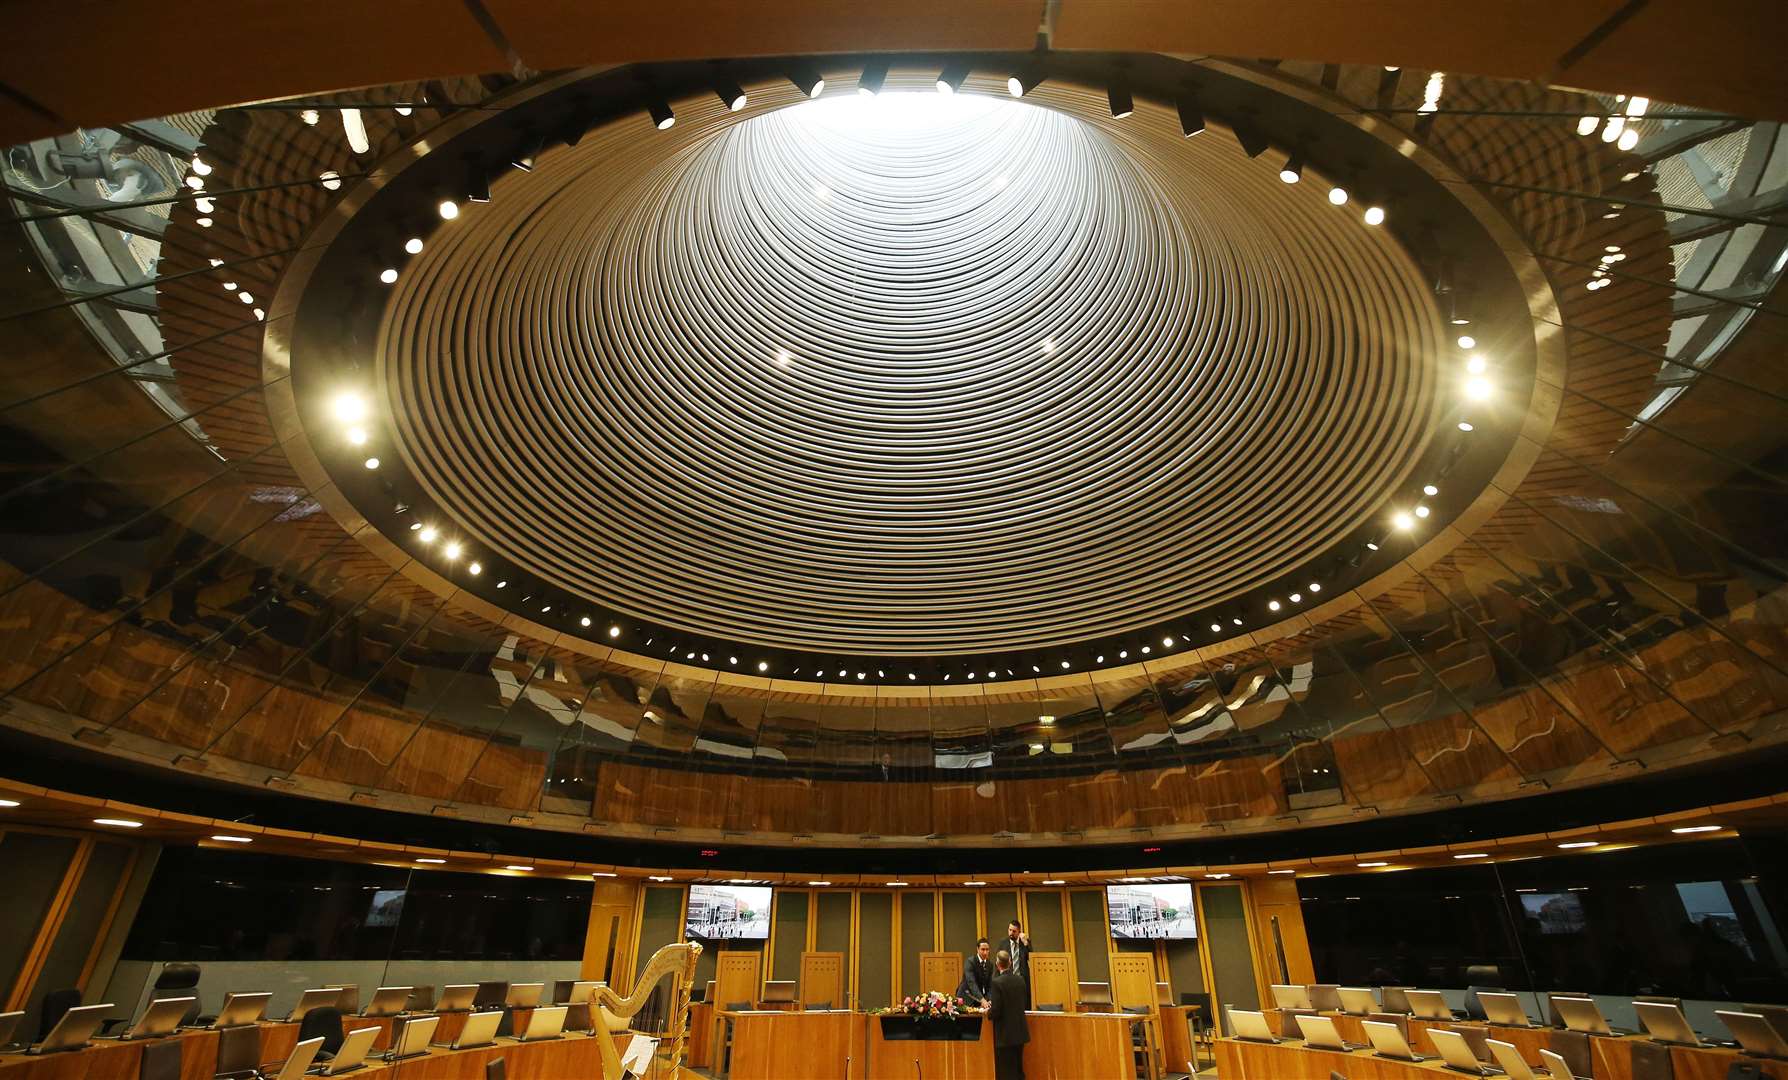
(915, 375)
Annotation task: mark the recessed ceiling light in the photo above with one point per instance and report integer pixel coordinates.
(896, 884)
(1371, 865)
(1464, 425)
(435, 861)
(357, 436)
(1374, 215)
(763, 665)
(372, 462)
(388, 275)
(475, 569)
(1466, 341)
(1055, 881)
(8, 803)
(1237, 622)
(448, 209)
(602, 873)
(120, 823)
(971, 883)
(1272, 605)
(231, 838)
(585, 621)
(1476, 364)
(1064, 665)
(1697, 829)
(518, 868)
(1146, 649)
(413, 245)
(1430, 489)
(310, 116)
(1473, 855)
(656, 877)
(451, 550)
(349, 407)
(1477, 388)
(816, 884)
(1297, 597)
(1403, 521)
(1568, 845)
(1216, 628)
(428, 534)
(1217, 876)
(502, 584)
(1338, 196)
(1421, 511)
(1281, 871)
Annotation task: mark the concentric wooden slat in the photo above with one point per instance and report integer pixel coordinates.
(585, 373)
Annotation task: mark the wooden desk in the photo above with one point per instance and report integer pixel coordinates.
(1177, 1047)
(777, 1045)
(114, 1059)
(701, 1034)
(1063, 1046)
(1238, 1060)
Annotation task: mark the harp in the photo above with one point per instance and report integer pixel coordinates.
(614, 1013)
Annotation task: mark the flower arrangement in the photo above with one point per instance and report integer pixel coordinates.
(931, 1004)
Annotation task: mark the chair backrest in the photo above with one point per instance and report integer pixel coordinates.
(738, 1006)
(56, 1004)
(496, 1069)
(1202, 1018)
(1048, 1008)
(1573, 1048)
(818, 1006)
(422, 999)
(491, 994)
(325, 1024)
(178, 975)
(239, 1049)
(1486, 975)
(161, 1060)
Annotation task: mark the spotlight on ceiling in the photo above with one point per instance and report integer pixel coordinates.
(807, 80)
(662, 117)
(1118, 95)
(477, 186)
(1191, 116)
(1338, 195)
(448, 209)
(952, 77)
(1024, 80)
(1374, 215)
(729, 93)
(1253, 142)
(1293, 170)
(875, 73)
(527, 151)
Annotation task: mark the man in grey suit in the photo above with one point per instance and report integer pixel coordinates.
(1005, 1010)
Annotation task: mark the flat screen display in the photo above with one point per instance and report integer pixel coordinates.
(1151, 911)
(1555, 912)
(387, 907)
(728, 913)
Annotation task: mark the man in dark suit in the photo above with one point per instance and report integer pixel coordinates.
(1018, 944)
(977, 976)
(1005, 1010)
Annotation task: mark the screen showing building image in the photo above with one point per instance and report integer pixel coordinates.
(730, 912)
(387, 907)
(1555, 912)
(1151, 911)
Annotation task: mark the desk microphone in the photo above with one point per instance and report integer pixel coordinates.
(918, 1069)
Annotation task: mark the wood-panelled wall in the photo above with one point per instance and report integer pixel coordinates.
(877, 942)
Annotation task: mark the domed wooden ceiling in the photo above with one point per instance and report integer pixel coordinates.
(907, 375)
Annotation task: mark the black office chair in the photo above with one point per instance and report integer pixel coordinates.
(496, 1069)
(179, 979)
(325, 1024)
(818, 1006)
(1202, 1023)
(1040, 1007)
(1481, 977)
(422, 999)
(161, 1060)
(56, 1004)
(239, 1052)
